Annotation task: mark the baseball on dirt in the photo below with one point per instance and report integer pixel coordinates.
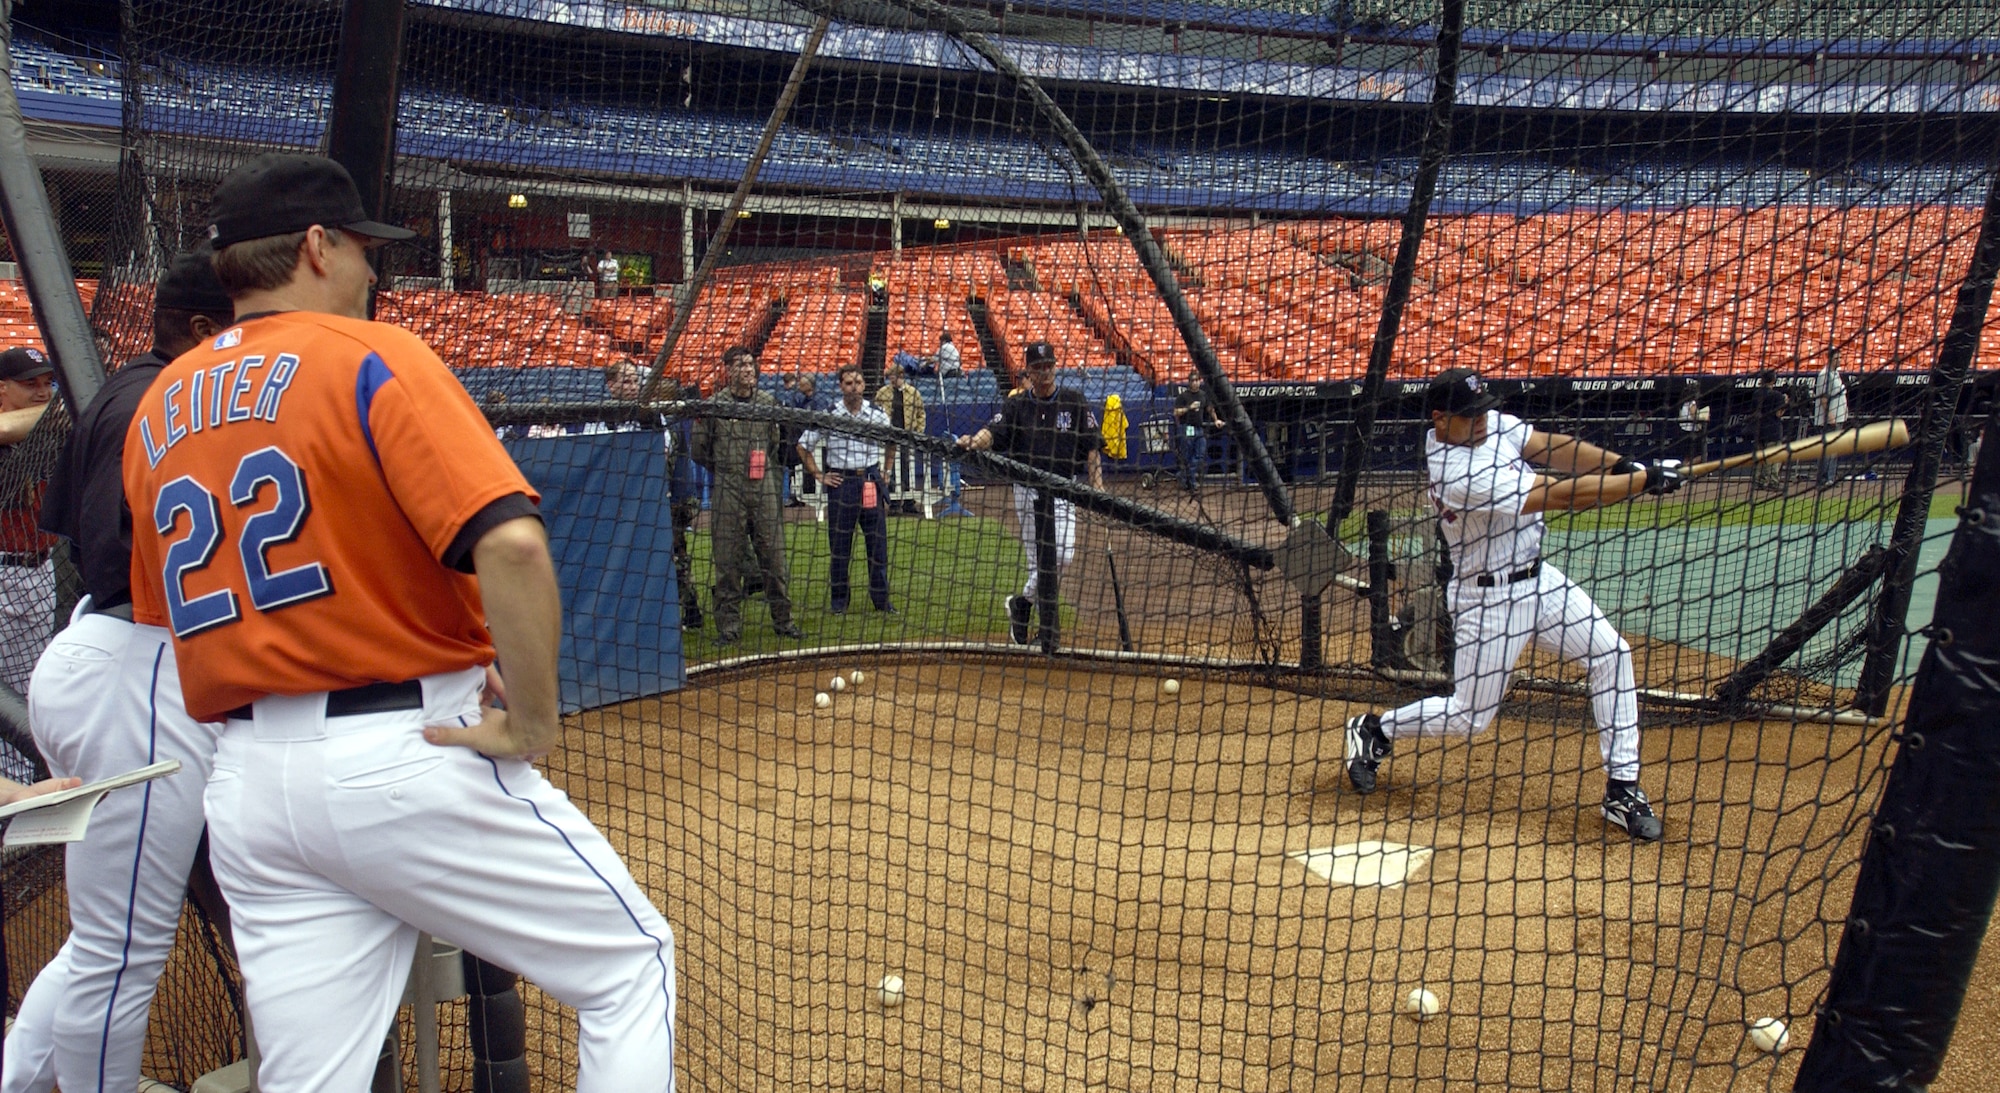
(1421, 1004)
(838, 683)
(1770, 1034)
(890, 990)
(822, 700)
(856, 677)
(1172, 686)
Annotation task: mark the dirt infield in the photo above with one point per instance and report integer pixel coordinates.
(1086, 884)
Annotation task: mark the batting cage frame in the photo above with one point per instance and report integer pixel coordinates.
(1111, 836)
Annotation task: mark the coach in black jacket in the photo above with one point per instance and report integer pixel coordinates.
(1051, 429)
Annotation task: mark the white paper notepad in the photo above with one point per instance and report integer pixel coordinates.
(64, 817)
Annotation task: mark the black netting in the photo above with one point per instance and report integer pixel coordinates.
(1632, 211)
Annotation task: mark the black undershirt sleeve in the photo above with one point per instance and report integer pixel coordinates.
(458, 555)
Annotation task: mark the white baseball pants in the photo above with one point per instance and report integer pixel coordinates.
(106, 699)
(27, 619)
(336, 839)
(1493, 625)
(1024, 512)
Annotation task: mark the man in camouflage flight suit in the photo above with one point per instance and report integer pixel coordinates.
(743, 458)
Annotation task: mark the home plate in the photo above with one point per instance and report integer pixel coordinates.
(1384, 865)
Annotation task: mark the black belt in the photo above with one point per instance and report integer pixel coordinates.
(367, 698)
(25, 558)
(116, 610)
(851, 471)
(1489, 580)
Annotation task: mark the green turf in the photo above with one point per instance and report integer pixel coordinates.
(948, 579)
(1808, 508)
(1761, 510)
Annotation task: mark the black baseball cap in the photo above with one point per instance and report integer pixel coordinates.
(1459, 392)
(1038, 353)
(24, 362)
(190, 284)
(279, 193)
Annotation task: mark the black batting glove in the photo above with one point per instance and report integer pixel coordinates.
(1664, 477)
(1626, 466)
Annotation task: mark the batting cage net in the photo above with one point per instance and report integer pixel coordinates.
(1230, 720)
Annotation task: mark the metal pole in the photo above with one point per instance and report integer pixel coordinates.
(1386, 647)
(447, 275)
(1118, 600)
(1929, 873)
(361, 130)
(1312, 632)
(1137, 233)
(1437, 144)
(1849, 587)
(1048, 592)
(1954, 360)
(45, 269)
(684, 305)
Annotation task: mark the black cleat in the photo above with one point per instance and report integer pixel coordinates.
(1020, 612)
(1365, 750)
(1626, 807)
(788, 630)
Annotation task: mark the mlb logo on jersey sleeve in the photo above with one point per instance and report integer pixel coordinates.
(228, 339)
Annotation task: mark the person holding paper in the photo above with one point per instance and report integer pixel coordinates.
(12, 791)
(106, 699)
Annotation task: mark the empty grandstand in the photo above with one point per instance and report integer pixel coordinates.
(1127, 857)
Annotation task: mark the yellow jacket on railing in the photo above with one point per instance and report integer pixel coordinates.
(1114, 427)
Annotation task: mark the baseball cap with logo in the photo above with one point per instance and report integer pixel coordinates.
(1038, 353)
(1459, 392)
(279, 193)
(24, 362)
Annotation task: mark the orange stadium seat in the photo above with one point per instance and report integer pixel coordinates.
(1045, 316)
(1701, 290)
(916, 318)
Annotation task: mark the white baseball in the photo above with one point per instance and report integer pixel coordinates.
(1172, 686)
(1421, 1004)
(1770, 1034)
(855, 677)
(822, 700)
(890, 990)
(837, 684)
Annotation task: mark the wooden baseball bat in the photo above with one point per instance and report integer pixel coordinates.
(1877, 437)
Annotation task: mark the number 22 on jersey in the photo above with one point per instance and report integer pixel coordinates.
(272, 527)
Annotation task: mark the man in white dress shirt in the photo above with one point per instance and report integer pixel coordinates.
(856, 493)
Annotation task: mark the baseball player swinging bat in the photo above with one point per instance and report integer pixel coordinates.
(1877, 437)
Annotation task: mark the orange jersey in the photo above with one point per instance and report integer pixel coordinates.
(294, 483)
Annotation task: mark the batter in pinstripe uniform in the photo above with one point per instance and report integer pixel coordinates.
(1502, 595)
